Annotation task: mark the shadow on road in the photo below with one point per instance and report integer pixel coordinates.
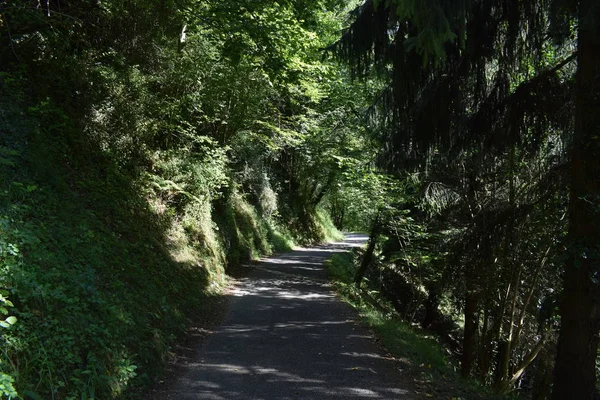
(287, 336)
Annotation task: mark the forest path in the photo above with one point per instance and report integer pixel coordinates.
(286, 336)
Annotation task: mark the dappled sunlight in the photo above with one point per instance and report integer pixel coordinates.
(367, 355)
(354, 392)
(288, 385)
(274, 375)
(303, 325)
(309, 296)
(361, 336)
(288, 337)
(281, 292)
(352, 240)
(320, 323)
(330, 249)
(208, 385)
(290, 261)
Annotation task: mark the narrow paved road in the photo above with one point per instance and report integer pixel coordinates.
(287, 337)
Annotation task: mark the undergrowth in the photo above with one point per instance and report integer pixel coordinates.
(327, 230)
(138, 167)
(422, 359)
(101, 267)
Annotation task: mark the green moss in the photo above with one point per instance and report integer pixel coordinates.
(328, 231)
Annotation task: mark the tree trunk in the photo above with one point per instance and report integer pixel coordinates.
(542, 376)
(486, 343)
(527, 360)
(431, 307)
(504, 357)
(575, 373)
(368, 257)
(472, 288)
(498, 371)
(471, 327)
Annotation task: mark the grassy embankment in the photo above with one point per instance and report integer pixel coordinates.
(103, 266)
(422, 359)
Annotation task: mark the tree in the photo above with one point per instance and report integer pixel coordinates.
(145, 148)
(488, 73)
(575, 373)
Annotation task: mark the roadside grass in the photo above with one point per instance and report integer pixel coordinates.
(328, 231)
(421, 358)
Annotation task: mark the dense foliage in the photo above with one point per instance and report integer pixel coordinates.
(148, 147)
(490, 115)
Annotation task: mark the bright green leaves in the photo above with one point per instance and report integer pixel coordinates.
(196, 173)
(6, 381)
(273, 38)
(265, 34)
(141, 147)
(7, 322)
(6, 386)
(278, 137)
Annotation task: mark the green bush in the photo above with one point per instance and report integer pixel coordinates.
(136, 168)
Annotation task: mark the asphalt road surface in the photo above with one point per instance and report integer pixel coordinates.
(287, 337)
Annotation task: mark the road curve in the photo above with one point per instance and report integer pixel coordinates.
(287, 337)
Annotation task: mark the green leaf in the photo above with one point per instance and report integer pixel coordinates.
(32, 395)
(4, 161)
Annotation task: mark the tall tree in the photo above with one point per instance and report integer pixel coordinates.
(575, 373)
(493, 80)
